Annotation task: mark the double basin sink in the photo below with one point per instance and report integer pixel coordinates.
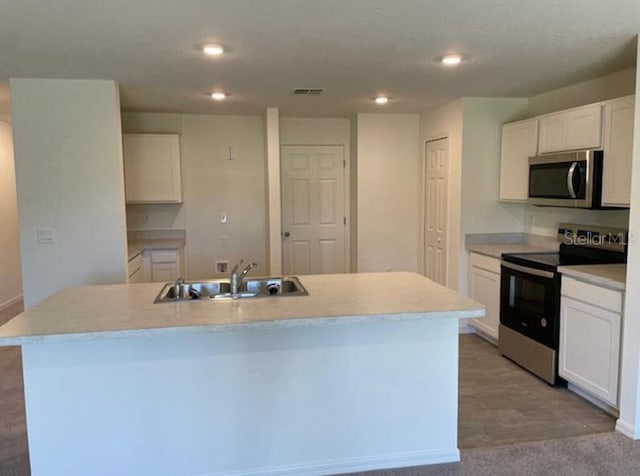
(220, 289)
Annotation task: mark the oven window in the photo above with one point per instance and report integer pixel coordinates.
(526, 296)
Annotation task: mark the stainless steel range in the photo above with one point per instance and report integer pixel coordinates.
(530, 294)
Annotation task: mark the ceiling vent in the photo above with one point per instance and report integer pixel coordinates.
(308, 91)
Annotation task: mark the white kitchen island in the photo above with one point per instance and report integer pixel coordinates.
(361, 374)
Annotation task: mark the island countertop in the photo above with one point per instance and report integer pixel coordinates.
(121, 310)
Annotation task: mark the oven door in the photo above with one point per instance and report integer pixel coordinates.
(530, 302)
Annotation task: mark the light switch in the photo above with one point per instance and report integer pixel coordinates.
(46, 235)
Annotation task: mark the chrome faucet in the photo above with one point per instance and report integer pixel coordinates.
(235, 280)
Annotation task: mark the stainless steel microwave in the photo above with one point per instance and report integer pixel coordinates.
(568, 179)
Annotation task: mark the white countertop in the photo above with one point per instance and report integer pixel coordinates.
(121, 310)
(609, 275)
(496, 250)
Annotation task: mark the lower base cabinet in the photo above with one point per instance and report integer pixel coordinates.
(484, 287)
(165, 265)
(590, 334)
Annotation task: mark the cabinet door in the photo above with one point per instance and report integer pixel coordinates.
(577, 128)
(584, 128)
(152, 168)
(590, 348)
(485, 288)
(618, 151)
(164, 272)
(552, 134)
(519, 142)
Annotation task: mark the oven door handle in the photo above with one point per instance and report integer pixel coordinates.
(572, 171)
(524, 269)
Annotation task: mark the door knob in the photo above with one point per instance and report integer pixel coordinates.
(287, 234)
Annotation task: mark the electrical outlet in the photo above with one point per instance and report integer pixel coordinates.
(222, 267)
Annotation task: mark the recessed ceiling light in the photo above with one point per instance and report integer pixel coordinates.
(451, 60)
(213, 50)
(381, 100)
(218, 96)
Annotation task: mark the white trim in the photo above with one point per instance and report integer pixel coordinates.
(465, 328)
(350, 465)
(274, 204)
(7, 304)
(626, 429)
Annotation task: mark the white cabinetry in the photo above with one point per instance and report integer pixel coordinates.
(152, 168)
(484, 287)
(519, 142)
(618, 151)
(577, 128)
(590, 337)
(166, 265)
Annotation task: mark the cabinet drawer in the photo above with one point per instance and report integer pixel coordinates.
(484, 262)
(134, 265)
(590, 293)
(164, 256)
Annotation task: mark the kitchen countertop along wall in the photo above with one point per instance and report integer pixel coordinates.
(495, 245)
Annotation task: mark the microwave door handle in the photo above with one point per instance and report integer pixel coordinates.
(572, 171)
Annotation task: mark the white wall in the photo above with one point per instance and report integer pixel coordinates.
(10, 267)
(629, 421)
(213, 185)
(387, 196)
(68, 153)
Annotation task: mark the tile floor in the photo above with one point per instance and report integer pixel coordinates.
(500, 403)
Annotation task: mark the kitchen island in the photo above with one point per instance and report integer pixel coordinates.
(360, 374)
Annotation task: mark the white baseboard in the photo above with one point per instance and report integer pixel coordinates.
(351, 465)
(626, 429)
(465, 328)
(11, 302)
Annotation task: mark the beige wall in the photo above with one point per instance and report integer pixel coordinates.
(387, 196)
(606, 87)
(629, 422)
(68, 154)
(214, 185)
(445, 121)
(314, 131)
(473, 126)
(10, 267)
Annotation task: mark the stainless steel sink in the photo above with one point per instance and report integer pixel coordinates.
(220, 289)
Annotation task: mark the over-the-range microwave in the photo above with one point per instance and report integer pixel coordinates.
(567, 179)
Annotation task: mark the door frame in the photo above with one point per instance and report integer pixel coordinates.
(347, 198)
(422, 209)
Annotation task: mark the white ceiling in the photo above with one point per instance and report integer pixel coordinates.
(353, 48)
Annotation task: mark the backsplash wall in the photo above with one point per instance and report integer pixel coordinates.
(545, 220)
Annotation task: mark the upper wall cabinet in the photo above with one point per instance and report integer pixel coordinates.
(519, 142)
(577, 128)
(618, 151)
(152, 168)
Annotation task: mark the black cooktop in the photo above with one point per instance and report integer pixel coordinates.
(568, 256)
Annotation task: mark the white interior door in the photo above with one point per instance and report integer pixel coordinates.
(313, 209)
(435, 220)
